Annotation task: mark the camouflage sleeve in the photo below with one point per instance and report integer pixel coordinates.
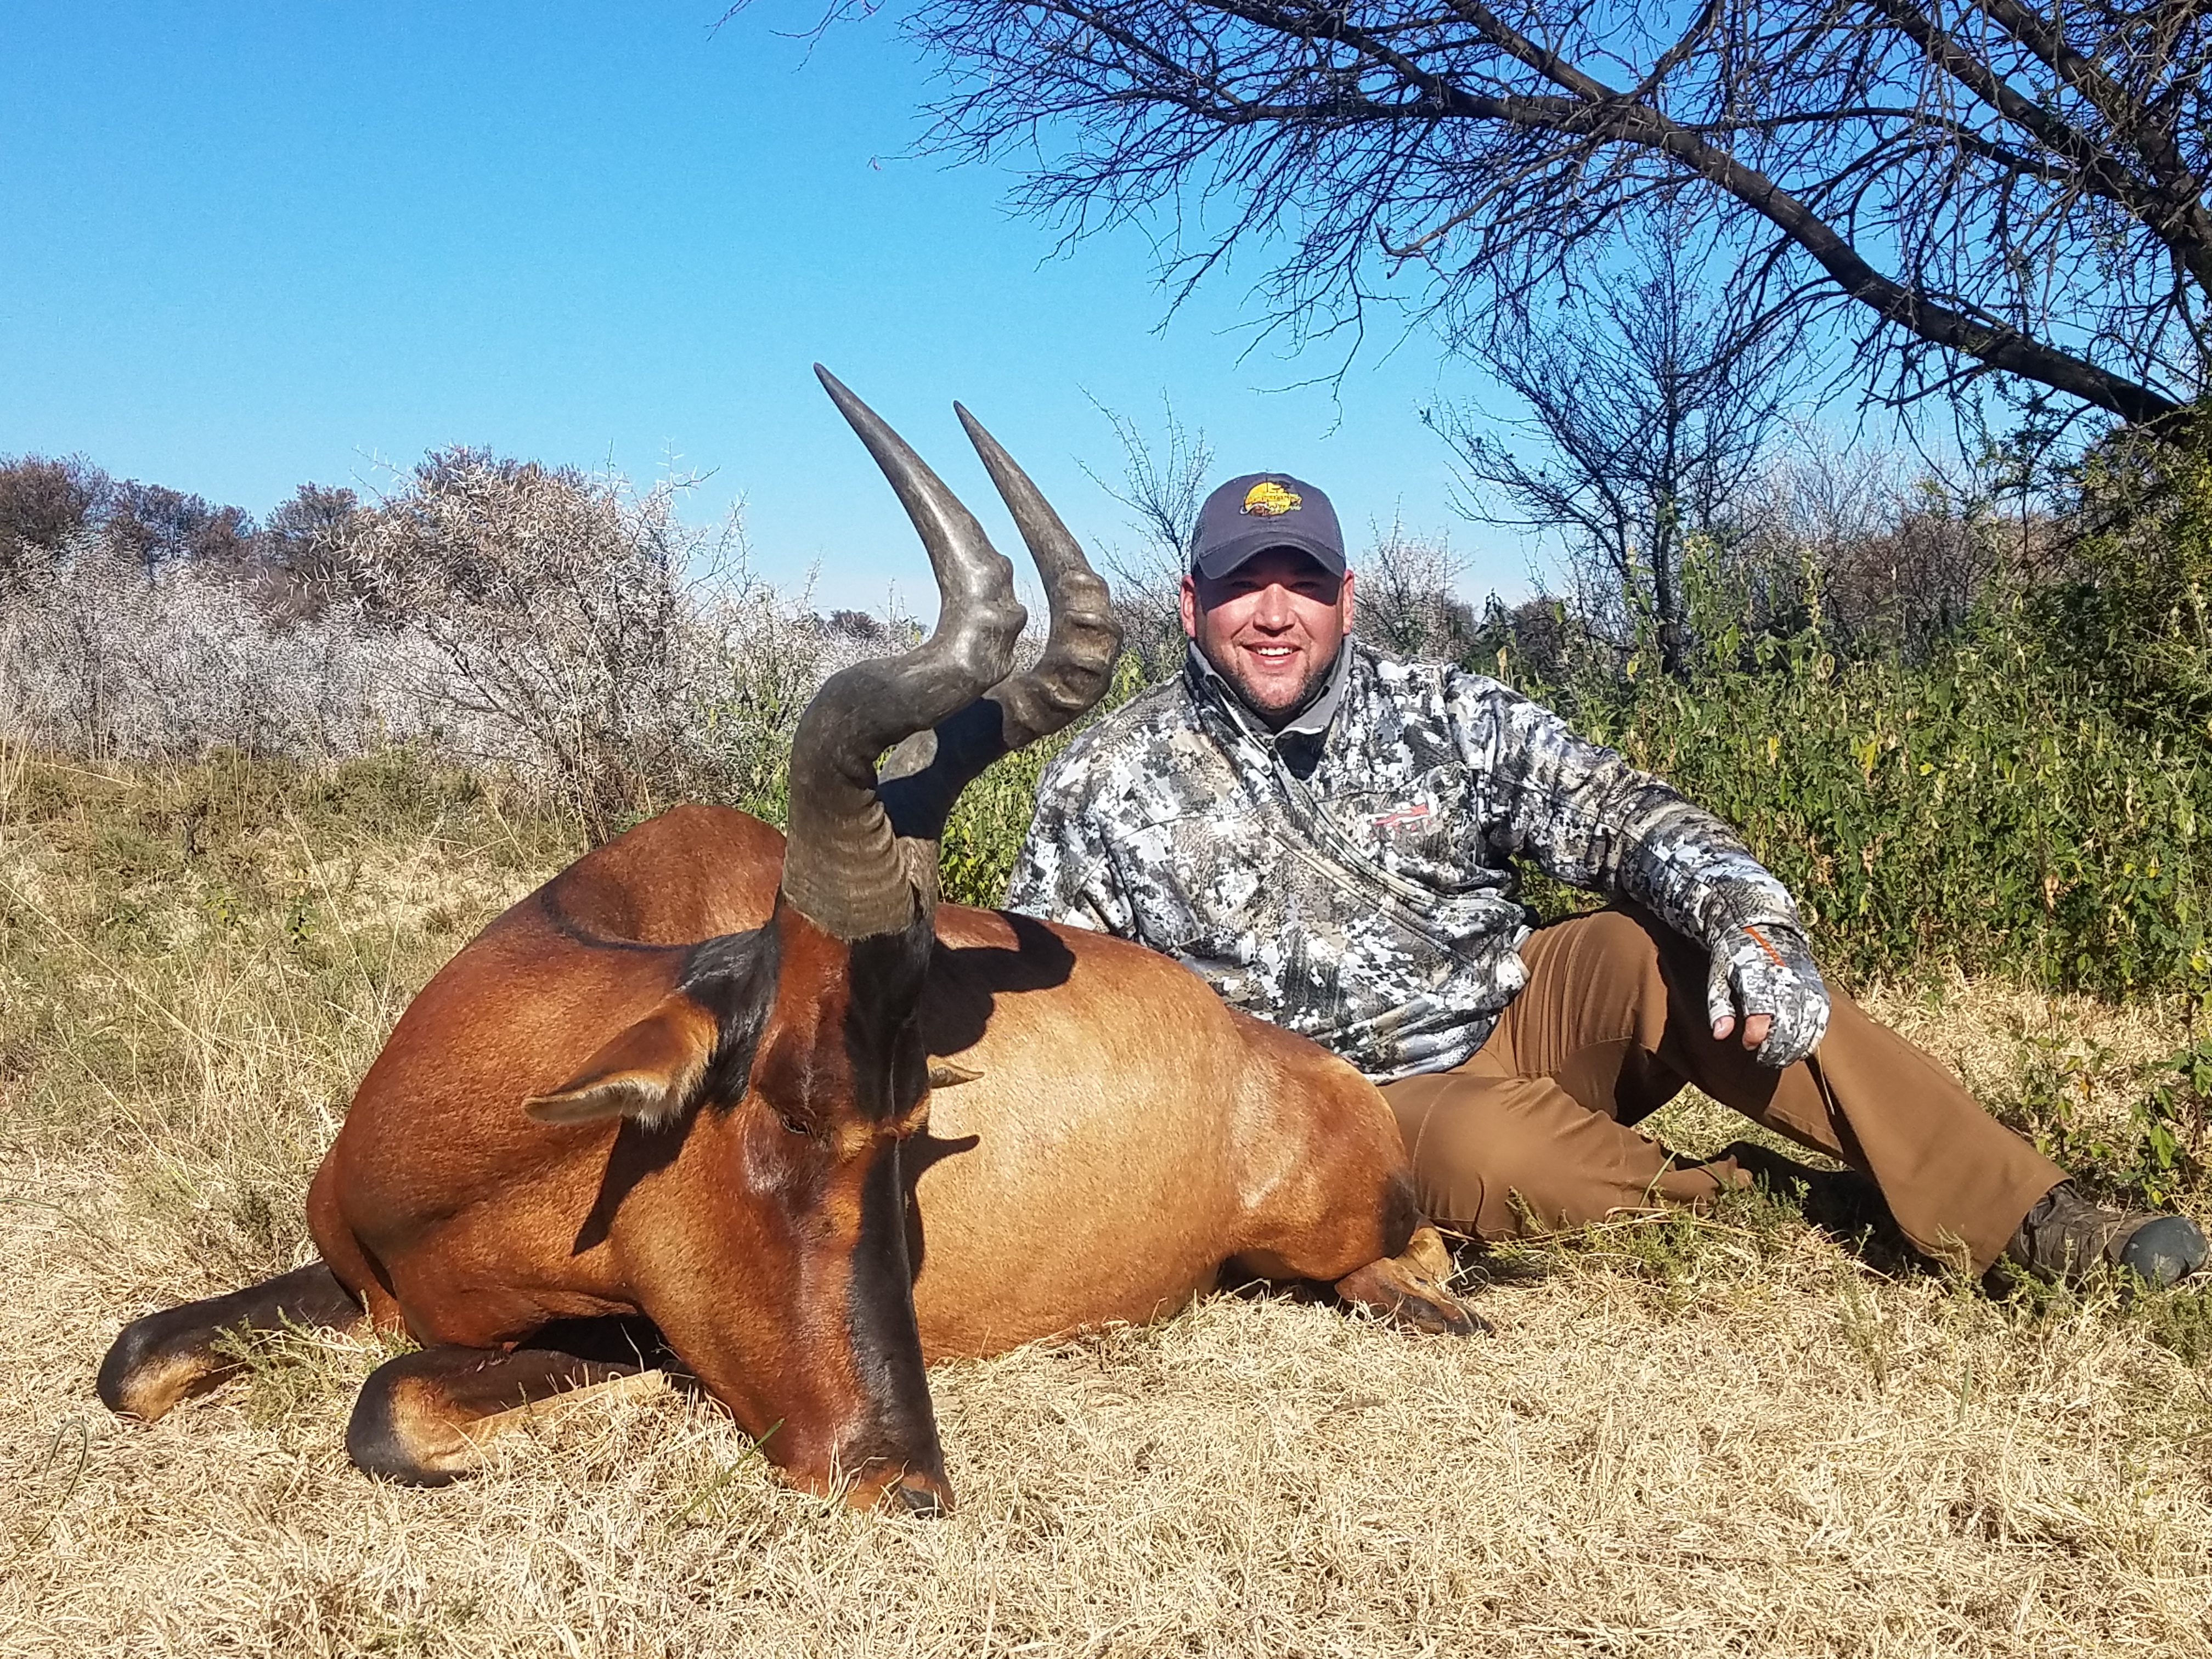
(1590, 819)
(1062, 872)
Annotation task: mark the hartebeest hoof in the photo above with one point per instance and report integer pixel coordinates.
(424, 1418)
(919, 1499)
(1409, 1288)
(168, 1357)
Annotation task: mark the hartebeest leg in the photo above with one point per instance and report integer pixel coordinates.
(423, 1419)
(1409, 1287)
(168, 1357)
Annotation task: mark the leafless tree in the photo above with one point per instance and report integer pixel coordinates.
(1648, 409)
(46, 505)
(102, 659)
(1163, 482)
(561, 629)
(1968, 185)
(1869, 546)
(156, 526)
(299, 554)
(557, 603)
(1408, 598)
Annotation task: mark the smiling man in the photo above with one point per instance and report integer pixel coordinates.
(1325, 836)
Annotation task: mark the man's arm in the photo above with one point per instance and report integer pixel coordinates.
(1062, 872)
(1589, 818)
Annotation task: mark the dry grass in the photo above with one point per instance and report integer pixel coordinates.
(1726, 1436)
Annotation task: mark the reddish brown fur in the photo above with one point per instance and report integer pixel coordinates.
(465, 1222)
(1133, 1136)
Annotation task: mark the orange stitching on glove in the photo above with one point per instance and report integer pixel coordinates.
(1759, 940)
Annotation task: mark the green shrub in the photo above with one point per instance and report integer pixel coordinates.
(985, 832)
(2135, 625)
(2154, 1155)
(1980, 809)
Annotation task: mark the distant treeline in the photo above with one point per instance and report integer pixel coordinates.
(1962, 732)
(559, 625)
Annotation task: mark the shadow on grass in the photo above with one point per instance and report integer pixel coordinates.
(1739, 1232)
(1682, 1255)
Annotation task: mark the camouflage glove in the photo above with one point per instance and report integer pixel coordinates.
(1766, 968)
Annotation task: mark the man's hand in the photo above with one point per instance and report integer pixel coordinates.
(1764, 971)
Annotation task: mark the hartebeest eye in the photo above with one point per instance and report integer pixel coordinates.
(797, 1125)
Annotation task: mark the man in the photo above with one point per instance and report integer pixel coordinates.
(1324, 834)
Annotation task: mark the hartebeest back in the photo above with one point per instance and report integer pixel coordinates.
(706, 1076)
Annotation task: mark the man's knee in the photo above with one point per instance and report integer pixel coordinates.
(1502, 1157)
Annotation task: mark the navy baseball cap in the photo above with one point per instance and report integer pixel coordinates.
(1264, 510)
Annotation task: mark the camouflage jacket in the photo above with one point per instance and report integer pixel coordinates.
(1349, 878)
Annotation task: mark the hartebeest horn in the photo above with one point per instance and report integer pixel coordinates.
(923, 779)
(844, 868)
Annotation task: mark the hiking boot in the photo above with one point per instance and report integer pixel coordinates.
(2066, 1235)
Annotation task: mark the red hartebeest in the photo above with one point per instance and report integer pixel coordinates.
(704, 1075)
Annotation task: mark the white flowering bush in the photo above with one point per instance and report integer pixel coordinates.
(563, 628)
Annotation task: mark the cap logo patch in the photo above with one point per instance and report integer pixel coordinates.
(1269, 500)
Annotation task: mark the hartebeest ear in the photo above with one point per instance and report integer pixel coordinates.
(944, 1074)
(650, 1071)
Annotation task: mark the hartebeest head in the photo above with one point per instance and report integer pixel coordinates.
(803, 1034)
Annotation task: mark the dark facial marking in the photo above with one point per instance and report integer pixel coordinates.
(890, 1071)
(879, 1319)
(883, 1036)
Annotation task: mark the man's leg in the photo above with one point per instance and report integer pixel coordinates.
(1958, 1180)
(1960, 1184)
(1613, 1024)
(1531, 1133)
(1502, 1157)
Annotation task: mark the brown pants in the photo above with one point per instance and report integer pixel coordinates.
(1534, 1132)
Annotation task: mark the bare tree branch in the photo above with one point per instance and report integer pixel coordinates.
(1975, 182)
(1653, 411)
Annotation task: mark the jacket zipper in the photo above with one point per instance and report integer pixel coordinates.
(1398, 897)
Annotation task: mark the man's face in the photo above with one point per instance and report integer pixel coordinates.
(1271, 628)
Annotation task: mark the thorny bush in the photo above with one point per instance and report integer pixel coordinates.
(561, 628)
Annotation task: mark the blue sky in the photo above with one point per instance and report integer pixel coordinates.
(246, 245)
